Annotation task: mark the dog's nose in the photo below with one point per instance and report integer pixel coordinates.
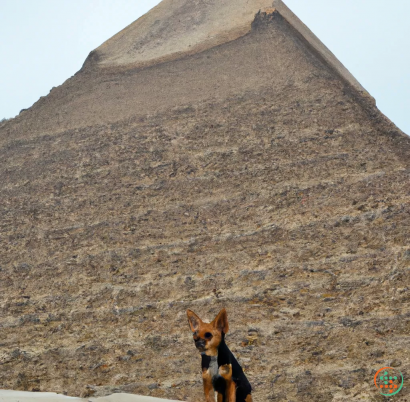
(200, 343)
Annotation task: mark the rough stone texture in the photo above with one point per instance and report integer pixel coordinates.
(250, 176)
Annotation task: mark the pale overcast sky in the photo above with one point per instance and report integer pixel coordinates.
(44, 42)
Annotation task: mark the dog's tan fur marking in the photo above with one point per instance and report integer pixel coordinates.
(225, 371)
(208, 388)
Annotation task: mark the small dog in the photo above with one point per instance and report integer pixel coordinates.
(221, 372)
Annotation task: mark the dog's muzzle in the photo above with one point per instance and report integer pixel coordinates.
(200, 344)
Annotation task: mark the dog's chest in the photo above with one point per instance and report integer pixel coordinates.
(213, 367)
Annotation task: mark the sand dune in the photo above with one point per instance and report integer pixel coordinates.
(21, 396)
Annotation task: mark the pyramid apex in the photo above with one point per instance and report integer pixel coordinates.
(175, 28)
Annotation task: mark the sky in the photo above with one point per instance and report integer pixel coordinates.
(44, 42)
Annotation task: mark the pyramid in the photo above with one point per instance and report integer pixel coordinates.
(212, 154)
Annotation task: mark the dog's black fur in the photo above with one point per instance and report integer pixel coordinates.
(225, 356)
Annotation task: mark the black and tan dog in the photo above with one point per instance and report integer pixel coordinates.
(221, 372)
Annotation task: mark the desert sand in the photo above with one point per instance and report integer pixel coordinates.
(21, 396)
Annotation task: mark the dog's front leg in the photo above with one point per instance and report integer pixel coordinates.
(230, 391)
(208, 388)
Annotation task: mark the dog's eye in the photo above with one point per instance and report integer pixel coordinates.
(208, 335)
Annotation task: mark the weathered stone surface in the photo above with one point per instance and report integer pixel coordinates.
(250, 176)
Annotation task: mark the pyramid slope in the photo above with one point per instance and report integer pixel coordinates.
(252, 176)
(318, 46)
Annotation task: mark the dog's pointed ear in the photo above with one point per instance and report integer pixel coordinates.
(193, 320)
(221, 322)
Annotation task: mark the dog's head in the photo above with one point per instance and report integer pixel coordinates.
(208, 336)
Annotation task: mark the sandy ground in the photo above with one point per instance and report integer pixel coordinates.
(20, 396)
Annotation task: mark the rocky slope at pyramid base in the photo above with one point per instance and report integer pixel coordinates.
(191, 209)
